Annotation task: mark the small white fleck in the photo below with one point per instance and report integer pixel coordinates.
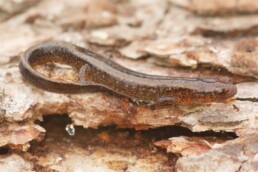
(70, 129)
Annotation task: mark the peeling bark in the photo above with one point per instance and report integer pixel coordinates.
(154, 37)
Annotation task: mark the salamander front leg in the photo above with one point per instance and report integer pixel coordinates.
(164, 100)
(82, 73)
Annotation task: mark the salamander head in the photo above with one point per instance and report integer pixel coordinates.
(219, 91)
(224, 91)
(211, 90)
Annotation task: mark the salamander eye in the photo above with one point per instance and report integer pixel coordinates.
(219, 90)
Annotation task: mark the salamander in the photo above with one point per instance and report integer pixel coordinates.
(98, 73)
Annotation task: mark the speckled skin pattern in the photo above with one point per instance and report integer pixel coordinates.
(98, 73)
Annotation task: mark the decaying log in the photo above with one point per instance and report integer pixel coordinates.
(172, 38)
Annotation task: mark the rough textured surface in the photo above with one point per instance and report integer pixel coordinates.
(154, 37)
(105, 149)
(241, 154)
(18, 136)
(15, 163)
(214, 7)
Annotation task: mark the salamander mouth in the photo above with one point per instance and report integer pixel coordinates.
(232, 91)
